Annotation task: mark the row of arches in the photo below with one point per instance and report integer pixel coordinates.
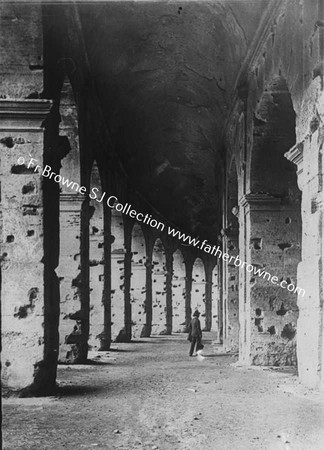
(130, 309)
(79, 261)
(262, 222)
(153, 285)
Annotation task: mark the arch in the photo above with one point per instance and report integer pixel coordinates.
(274, 134)
(178, 293)
(138, 281)
(198, 291)
(158, 288)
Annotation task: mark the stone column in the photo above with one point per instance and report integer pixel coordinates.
(97, 337)
(208, 298)
(215, 293)
(140, 276)
(127, 335)
(307, 155)
(198, 290)
(27, 359)
(230, 292)
(178, 292)
(269, 241)
(84, 315)
(106, 298)
(159, 289)
(168, 289)
(68, 272)
(148, 290)
(117, 276)
(188, 265)
(221, 292)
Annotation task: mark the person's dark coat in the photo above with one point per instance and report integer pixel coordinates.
(195, 328)
(195, 334)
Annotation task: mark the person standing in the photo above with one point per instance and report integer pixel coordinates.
(195, 333)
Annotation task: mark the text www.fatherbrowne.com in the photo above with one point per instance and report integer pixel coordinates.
(127, 209)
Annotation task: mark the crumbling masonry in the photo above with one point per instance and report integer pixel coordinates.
(208, 117)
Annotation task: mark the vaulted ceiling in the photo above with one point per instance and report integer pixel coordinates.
(162, 75)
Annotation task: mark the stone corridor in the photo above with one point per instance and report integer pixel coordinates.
(159, 159)
(159, 398)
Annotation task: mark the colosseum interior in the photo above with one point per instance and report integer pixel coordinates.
(158, 158)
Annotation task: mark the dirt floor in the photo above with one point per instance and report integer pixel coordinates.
(151, 395)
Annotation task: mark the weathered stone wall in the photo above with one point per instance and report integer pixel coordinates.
(68, 272)
(230, 308)
(96, 262)
(289, 47)
(68, 269)
(138, 281)
(22, 270)
(24, 341)
(307, 155)
(117, 274)
(159, 288)
(178, 293)
(21, 51)
(215, 326)
(198, 291)
(230, 272)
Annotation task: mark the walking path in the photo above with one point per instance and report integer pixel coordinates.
(150, 395)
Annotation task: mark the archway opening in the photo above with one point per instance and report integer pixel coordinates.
(274, 224)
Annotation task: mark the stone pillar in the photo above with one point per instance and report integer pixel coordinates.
(269, 241)
(148, 290)
(159, 299)
(139, 276)
(198, 290)
(215, 301)
(221, 292)
(84, 315)
(70, 203)
(189, 265)
(178, 293)
(307, 155)
(230, 293)
(97, 338)
(127, 335)
(25, 354)
(106, 298)
(68, 272)
(168, 290)
(208, 295)
(117, 276)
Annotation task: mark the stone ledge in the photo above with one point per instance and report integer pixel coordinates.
(26, 113)
(264, 202)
